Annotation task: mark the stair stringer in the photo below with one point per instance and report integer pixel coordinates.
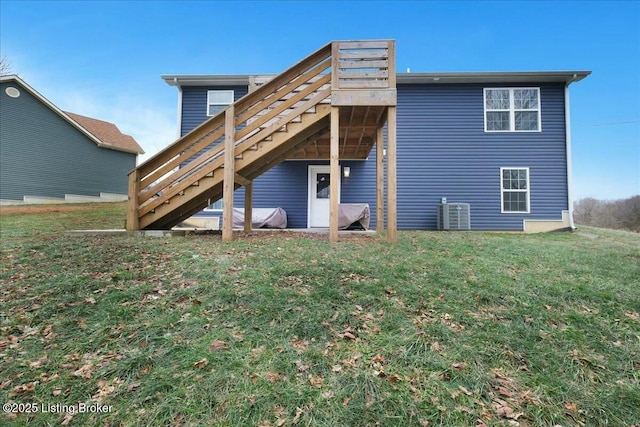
(253, 163)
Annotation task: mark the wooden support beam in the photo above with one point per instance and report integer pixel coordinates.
(241, 180)
(334, 174)
(229, 175)
(392, 219)
(133, 222)
(248, 206)
(379, 180)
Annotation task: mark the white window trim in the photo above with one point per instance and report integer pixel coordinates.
(230, 98)
(208, 209)
(512, 110)
(528, 190)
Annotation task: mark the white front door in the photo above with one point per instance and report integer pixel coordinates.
(319, 189)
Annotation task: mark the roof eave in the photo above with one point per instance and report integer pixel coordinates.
(489, 77)
(493, 77)
(204, 80)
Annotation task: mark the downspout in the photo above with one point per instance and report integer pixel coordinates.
(567, 123)
(175, 80)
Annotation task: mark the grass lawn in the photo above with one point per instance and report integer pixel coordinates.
(452, 329)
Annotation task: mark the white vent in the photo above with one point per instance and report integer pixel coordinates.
(454, 216)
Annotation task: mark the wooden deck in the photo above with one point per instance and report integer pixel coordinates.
(331, 105)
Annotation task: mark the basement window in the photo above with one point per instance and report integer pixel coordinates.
(218, 100)
(512, 109)
(514, 194)
(216, 206)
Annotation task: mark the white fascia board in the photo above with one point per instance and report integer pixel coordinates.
(500, 77)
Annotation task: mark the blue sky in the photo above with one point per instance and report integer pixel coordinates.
(104, 58)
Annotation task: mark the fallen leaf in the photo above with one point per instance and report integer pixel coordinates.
(23, 388)
(272, 377)
(393, 378)
(217, 346)
(299, 413)
(378, 359)
(299, 344)
(56, 392)
(464, 390)
(90, 300)
(301, 366)
(571, 406)
(257, 351)
(38, 363)
(84, 371)
(201, 363)
(317, 382)
(336, 368)
(347, 336)
(67, 419)
(279, 411)
(133, 386)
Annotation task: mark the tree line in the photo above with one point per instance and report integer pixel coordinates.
(621, 214)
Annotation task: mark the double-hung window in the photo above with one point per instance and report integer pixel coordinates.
(218, 100)
(512, 109)
(514, 185)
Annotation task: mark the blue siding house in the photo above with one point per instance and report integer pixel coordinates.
(49, 155)
(496, 144)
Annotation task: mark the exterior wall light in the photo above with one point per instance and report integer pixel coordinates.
(346, 171)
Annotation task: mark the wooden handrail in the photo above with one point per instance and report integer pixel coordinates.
(211, 130)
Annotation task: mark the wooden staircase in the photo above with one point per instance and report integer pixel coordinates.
(274, 122)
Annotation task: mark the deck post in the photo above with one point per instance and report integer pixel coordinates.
(334, 174)
(248, 201)
(133, 222)
(379, 180)
(229, 175)
(392, 221)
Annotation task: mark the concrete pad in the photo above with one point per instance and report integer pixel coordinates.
(7, 202)
(123, 232)
(79, 198)
(36, 200)
(114, 197)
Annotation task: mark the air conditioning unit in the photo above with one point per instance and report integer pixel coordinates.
(454, 216)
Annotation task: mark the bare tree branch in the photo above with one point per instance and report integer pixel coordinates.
(5, 66)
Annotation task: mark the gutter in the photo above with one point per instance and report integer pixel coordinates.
(567, 124)
(177, 84)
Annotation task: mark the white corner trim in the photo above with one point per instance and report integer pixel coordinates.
(567, 123)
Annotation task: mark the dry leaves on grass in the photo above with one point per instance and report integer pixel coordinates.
(507, 397)
(347, 334)
(217, 346)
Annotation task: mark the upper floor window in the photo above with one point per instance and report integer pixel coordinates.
(218, 100)
(512, 109)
